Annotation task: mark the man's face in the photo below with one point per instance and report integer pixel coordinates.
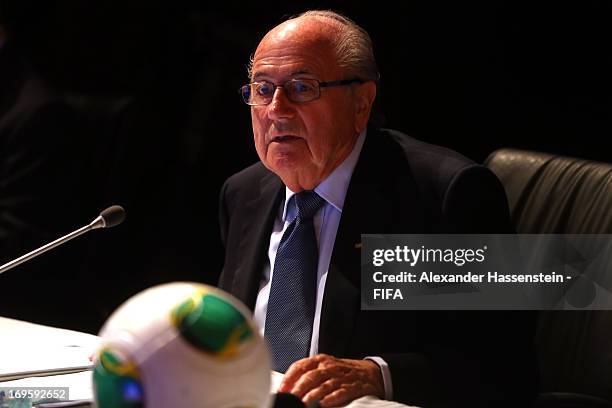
(303, 142)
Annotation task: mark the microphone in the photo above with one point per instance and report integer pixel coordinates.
(110, 217)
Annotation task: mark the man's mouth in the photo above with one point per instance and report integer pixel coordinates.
(285, 138)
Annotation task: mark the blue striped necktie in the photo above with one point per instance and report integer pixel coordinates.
(291, 304)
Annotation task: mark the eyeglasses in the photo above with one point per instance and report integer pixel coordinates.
(297, 90)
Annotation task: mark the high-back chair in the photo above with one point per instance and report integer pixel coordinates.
(550, 194)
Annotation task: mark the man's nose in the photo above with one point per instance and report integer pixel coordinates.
(280, 106)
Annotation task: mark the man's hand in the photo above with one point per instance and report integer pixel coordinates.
(332, 381)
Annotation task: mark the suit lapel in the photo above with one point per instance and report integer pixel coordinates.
(259, 215)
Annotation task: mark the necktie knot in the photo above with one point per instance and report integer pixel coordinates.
(308, 203)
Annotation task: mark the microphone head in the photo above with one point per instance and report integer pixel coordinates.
(112, 216)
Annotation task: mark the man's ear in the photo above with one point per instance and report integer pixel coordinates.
(364, 95)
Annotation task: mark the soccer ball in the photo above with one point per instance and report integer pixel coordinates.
(181, 345)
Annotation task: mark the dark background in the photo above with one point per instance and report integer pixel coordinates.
(136, 103)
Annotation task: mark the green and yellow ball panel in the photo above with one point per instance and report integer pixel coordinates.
(117, 383)
(212, 324)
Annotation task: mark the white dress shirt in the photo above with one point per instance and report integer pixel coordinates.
(326, 220)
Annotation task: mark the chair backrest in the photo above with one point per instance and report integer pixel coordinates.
(551, 194)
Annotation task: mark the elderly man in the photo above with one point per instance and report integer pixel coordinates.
(291, 226)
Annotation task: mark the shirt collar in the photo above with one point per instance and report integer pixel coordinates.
(333, 188)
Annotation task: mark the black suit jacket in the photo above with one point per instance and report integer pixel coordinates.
(399, 185)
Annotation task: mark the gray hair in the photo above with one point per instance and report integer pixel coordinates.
(353, 45)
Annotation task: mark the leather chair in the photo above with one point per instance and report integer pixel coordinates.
(550, 194)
